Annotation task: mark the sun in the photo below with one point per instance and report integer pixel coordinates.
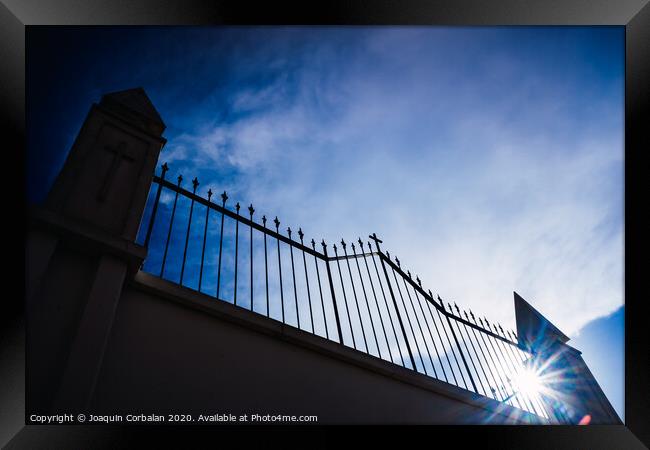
(528, 382)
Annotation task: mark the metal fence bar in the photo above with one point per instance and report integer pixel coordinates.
(426, 323)
(236, 250)
(513, 349)
(251, 211)
(442, 345)
(345, 299)
(195, 183)
(381, 320)
(469, 354)
(390, 317)
(392, 294)
(528, 402)
(490, 366)
(478, 375)
(408, 321)
(224, 197)
(354, 292)
(460, 350)
(293, 274)
(495, 357)
(277, 228)
(426, 346)
(304, 263)
(320, 290)
(164, 169)
(205, 235)
(363, 288)
(336, 310)
(435, 347)
(266, 269)
(451, 348)
(169, 232)
(478, 344)
(516, 367)
(524, 400)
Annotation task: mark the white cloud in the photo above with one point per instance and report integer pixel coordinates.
(476, 200)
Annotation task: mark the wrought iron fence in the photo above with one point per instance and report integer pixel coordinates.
(351, 293)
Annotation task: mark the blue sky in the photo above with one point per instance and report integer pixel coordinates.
(488, 159)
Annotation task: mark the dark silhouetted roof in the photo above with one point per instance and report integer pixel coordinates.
(533, 327)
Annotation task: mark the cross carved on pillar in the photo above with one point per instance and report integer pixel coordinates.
(119, 154)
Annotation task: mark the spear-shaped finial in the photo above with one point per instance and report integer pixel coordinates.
(195, 183)
(313, 243)
(300, 233)
(224, 197)
(353, 248)
(486, 321)
(334, 247)
(439, 299)
(465, 314)
(417, 278)
(251, 210)
(209, 194)
(180, 179)
(457, 308)
(388, 255)
(237, 206)
(276, 222)
(480, 321)
(289, 232)
(369, 247)
(323, 244)
(164, 168)
(397, 261)
(343, 244)
(360, 243)
(430, 294)
(472, 314)
(408, 272)
(264, 220)
(450, 308)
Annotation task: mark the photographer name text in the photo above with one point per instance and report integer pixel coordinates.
(169, 418)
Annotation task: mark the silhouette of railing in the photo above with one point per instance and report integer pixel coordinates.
(360, 298)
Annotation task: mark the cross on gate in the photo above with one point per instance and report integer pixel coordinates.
(119, 153)
(378, 241)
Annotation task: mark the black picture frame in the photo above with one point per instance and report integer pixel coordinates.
(15, 15)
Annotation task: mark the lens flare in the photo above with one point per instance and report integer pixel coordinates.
(528, 382)
(586, 420)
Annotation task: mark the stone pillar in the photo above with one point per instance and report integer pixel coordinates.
(106, 178)
(81, 248)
